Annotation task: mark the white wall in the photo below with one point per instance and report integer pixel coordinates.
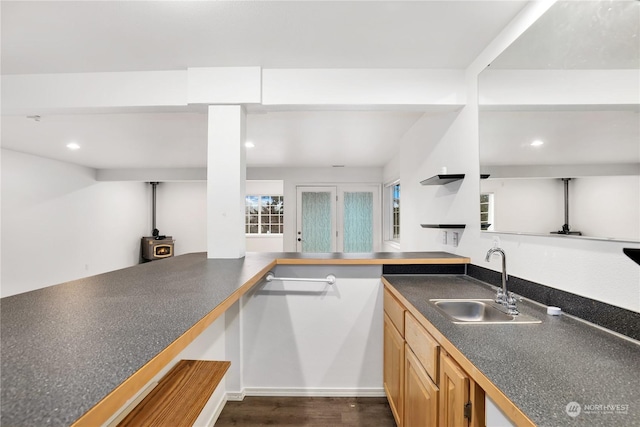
(181, 206)
(435, 141)
(293, 177)
(595, 203)
(181, 212)
(302, 338)
(537, 205)
(527, 205)
(594, 269)
(60, 224)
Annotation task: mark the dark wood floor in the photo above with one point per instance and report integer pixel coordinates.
(307, 411)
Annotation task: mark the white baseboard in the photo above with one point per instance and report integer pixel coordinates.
(214, 417)
(235, 397)
(314, 392)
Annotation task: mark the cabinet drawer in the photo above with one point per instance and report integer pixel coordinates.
(424, 346)
(394, 310)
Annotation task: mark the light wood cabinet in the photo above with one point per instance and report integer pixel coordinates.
(424, 346)
(424, 384)
(394, 369)
(454, 394)
(393, 375)
(395, 311)
(420, 394)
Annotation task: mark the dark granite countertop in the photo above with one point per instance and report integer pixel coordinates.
(542, 367)
(66, 347)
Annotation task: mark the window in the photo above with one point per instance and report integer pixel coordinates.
(264, 214)
(391, 200)
(486, 211)
(395, 209)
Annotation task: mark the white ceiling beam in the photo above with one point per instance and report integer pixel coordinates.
(29, 94)
(152, 174)
(224, 85)
(559, 87)
(363, 87)
(309, 88)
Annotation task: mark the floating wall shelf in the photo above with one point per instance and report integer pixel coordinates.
(443, 225)
(443, 179)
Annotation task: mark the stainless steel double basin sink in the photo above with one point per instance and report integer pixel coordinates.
(478, 311)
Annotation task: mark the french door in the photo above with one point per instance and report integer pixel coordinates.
(341, 218)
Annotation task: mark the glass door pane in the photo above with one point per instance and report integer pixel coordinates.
(316, 219)
(358, 222)
(359, 218)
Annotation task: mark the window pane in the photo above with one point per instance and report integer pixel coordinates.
(396, 212)
(262, 213)
(358, 221)
(486, 210)
(316, 221)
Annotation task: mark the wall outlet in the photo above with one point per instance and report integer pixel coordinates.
(444, 237)
(496, 241)
(455, 239)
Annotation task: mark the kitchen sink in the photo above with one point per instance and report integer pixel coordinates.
(478, 311)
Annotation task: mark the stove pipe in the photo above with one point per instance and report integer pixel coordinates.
(156, 246)
(155, 231)
(565, 227)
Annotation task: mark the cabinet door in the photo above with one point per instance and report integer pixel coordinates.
(454, 393)
(420, 394)
(393, 368)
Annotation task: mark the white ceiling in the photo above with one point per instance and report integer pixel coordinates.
(90, 36)
(179, 139)
(601, 136)
(94, 36)
(579, 35)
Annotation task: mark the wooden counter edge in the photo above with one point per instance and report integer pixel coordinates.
(372, 261)
(507, 406)
(107, 407)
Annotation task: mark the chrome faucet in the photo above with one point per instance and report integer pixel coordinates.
(504, 298)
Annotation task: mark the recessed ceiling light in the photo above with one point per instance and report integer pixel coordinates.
(73, 146)
(537, 143)
(249, 144)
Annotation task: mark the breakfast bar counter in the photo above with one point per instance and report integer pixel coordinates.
(76, 352)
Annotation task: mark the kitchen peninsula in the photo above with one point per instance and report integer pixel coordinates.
(91, 344)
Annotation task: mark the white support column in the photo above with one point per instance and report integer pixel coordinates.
(226, 176)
